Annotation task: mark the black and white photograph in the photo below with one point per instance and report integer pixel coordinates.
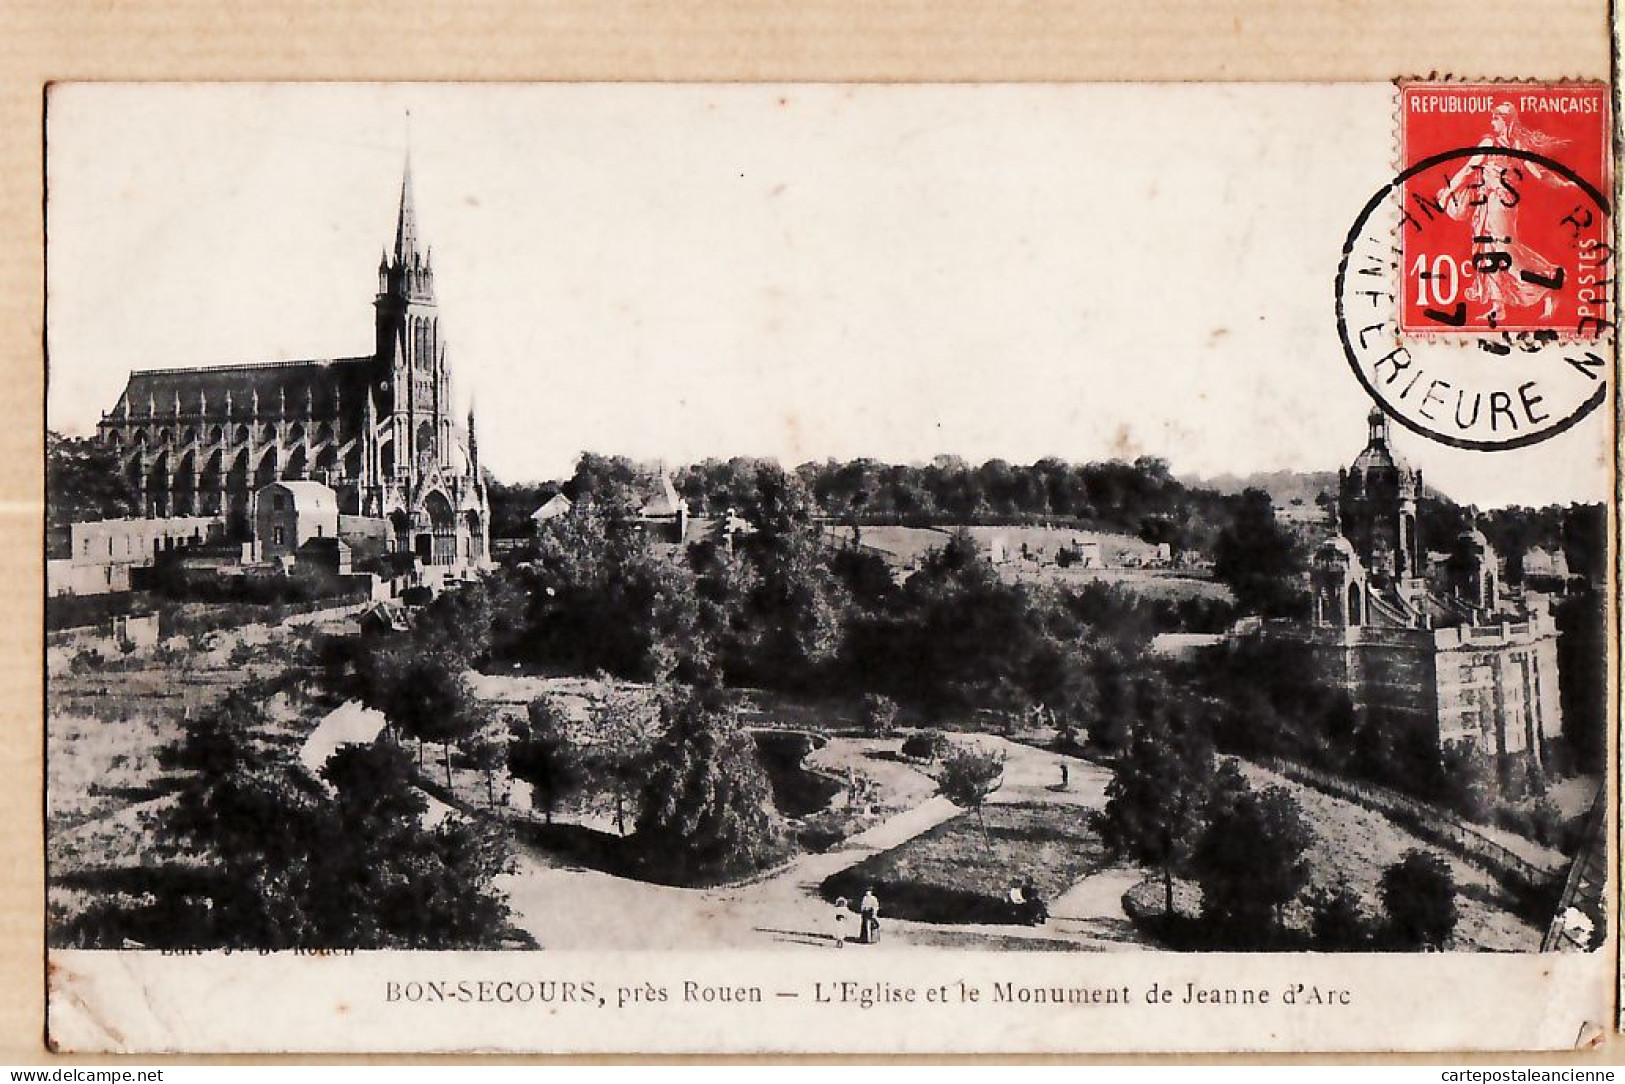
(831, 528)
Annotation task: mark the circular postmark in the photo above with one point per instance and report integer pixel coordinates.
(1484, 392)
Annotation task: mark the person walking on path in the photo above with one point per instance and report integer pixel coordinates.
(869, 918)
(837, 931)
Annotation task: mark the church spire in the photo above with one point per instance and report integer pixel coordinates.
(406, 226)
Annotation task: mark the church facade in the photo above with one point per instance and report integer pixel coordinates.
(379, 430)
(1452, 650)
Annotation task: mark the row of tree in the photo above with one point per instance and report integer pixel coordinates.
(1172, 806)
(784, 606)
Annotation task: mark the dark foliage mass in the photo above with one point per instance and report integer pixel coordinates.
(1419, 897)
(1140, 498)
(282, 862)
(1250, 862)
(707, 812)
(81, 483)
(1260, 561)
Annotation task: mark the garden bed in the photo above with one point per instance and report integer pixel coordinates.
(954, 873)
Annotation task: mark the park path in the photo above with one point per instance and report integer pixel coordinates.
(589, 909)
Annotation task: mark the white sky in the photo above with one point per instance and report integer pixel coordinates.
(677, 272)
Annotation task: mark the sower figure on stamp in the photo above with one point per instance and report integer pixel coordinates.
(1509, 273)
(869, 918)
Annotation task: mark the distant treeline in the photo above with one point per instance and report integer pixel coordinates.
(1139, 498)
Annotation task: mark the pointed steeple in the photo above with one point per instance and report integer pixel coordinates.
(406, 226)
(473, 445)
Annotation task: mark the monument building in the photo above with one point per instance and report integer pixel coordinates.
(1451, 650)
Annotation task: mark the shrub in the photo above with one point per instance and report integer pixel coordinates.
(1419, 896)
(1337, 920)
(927, 745)
(968, 777)
(879, 714)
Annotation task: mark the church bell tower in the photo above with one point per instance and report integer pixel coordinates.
(411, 353)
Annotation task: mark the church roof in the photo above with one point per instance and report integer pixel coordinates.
(291, 384)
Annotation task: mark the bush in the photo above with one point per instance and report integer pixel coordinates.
(1419, 896)
(1337, 920)
(927, 745)
(879, 714)
(1250, 864)
(968, 777)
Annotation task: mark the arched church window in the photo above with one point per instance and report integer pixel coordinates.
(1354, 604)
(426, 445)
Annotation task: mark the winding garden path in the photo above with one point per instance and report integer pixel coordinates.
(573, 908)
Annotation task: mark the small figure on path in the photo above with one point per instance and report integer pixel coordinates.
(1037, 909)
(838, 925)
(869, 918)
(1066, 775)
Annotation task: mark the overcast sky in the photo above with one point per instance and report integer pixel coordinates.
(677, 272)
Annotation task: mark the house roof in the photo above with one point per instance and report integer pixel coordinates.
(557, 506)
(308, 496)
(663, 501)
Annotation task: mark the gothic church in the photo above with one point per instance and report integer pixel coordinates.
(378, 430)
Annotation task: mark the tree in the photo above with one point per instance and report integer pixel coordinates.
(1337, 921)
(486, 754)
(1419, 897)
(424, 693)
(1259, 560)
(291, 866)
(540, 754)
(968, 776)
(707, 811)
(82, 482)
(1250, 863)
(218, 742)
(622, 723)
(601, 599)
(878, 716)
(1155, 800)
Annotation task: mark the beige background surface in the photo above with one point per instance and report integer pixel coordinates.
(932, 40)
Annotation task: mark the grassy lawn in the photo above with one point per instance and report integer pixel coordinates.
(953, 873)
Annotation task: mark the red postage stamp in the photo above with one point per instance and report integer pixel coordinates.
(1504, 225)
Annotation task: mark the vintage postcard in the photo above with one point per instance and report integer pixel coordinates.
(592, 568)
